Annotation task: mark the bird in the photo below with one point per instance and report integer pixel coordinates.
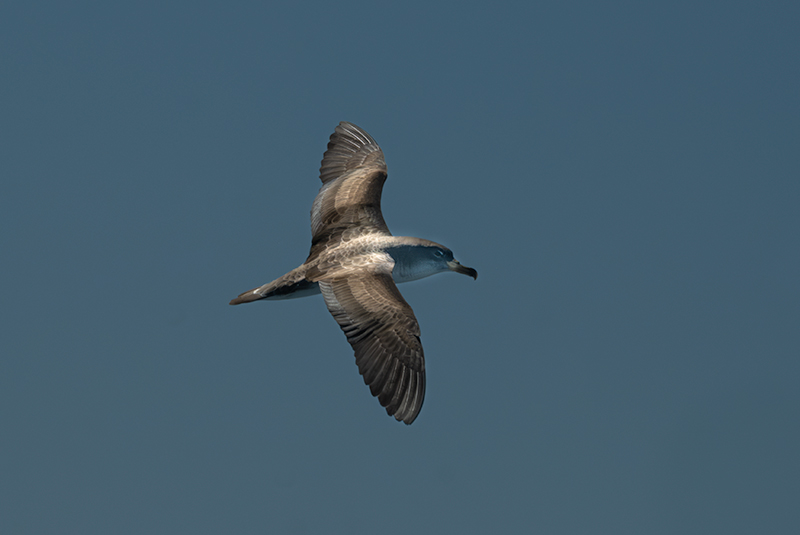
(356, 263)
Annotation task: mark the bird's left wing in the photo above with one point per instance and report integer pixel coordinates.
(348, 204)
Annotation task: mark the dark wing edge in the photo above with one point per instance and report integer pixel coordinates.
(384, 333)
(349, 148)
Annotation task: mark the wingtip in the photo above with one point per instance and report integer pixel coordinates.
(408, 420)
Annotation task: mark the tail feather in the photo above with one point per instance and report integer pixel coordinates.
(247, 297)
(290, 286)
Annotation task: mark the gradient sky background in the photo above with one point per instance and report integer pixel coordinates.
(624, 176)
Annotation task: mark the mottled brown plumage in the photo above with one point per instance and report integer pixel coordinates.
(355, 262)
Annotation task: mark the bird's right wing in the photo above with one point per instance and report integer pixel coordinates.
(384, 333)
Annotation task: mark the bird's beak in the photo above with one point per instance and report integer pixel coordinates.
(454, 265)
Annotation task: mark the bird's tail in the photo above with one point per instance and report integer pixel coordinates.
(292, 285)
(247, 297)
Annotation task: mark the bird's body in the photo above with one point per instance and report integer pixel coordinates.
(355, 262)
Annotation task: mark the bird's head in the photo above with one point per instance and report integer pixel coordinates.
(444, 256)
(416, 258)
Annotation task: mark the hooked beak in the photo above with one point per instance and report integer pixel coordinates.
(454, 265)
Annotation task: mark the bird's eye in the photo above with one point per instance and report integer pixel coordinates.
(438, 253)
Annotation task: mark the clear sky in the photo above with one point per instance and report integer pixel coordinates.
(625, 177)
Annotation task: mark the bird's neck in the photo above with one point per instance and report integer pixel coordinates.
(411, 262)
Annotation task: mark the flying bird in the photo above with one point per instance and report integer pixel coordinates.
(355, 263)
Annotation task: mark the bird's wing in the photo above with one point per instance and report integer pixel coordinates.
(384, 333)
(349, 203)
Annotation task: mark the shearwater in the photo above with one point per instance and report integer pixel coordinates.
(355, 262)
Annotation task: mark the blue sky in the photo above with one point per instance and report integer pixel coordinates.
(625, 177)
